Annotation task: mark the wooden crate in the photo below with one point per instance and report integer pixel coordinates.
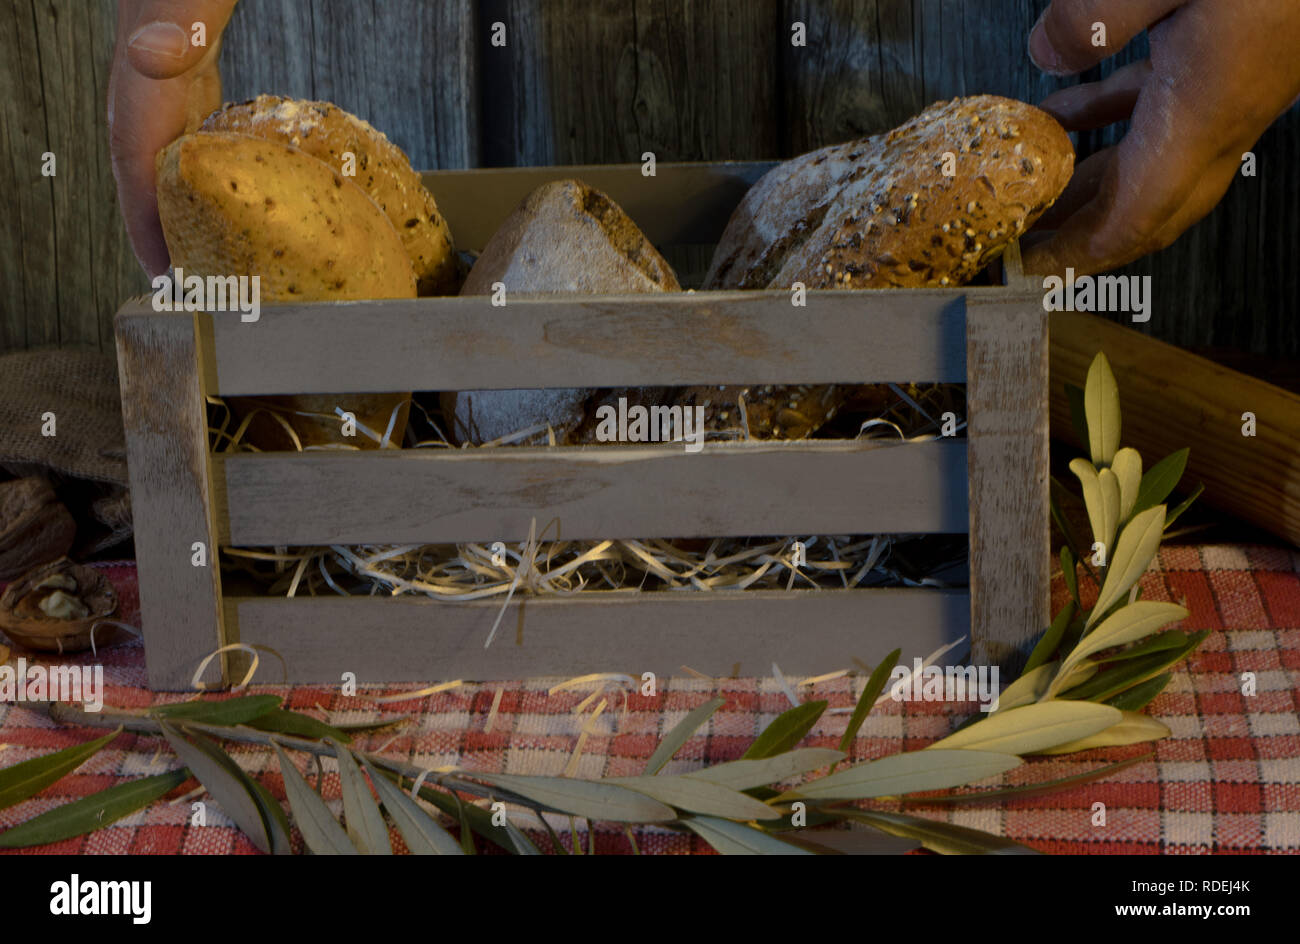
(993, 485)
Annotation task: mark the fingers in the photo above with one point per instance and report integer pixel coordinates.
(1074, 35)
(1097, 104)
(1080, 191)
(162, 35)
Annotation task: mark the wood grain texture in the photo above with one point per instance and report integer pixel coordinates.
(1010, 550)
(427, 641)
(597, 492)
(593, 341)
(167, 447)
(1170, 399)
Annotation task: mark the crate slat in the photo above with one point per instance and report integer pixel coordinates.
(803, 631)
(916, 336)
(446, 496)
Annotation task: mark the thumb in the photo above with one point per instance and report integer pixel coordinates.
(168, 38)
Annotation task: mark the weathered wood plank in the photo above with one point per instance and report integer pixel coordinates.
(166, 439)
(1010, 550)
(597, 341)
(805, 632)
(598, 492)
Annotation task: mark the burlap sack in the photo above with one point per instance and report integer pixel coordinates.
(86, 458)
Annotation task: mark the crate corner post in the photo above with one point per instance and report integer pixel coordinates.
(164, 418)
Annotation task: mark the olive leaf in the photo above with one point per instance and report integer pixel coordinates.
(698, 796)
(1051, 640)
(1140, 695)
(1133, 554)
(1134, 728)
(92, 812)
(681, 733)
(1129, 673)
(423, 834)
(30, 777)
(226, 713)
(1033, 727)
(738, 839)
(1027, 790)
(1161, 480)
(277, 823)
(1069, 569)
(747, 774)
(786, 730)
(1108, 483)
(282, 721)
(1029, 688)
(587, 798)
(911, 772)
(1093, 499)
(320, 830)
(1128, 624)
(1101, 405)
(1178, 512)
(523, 845)
(1127, 466)
(365, 824)
(223, 779)
(938, 836)
(875, 685)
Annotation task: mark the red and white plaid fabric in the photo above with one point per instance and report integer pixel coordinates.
(1226, 781)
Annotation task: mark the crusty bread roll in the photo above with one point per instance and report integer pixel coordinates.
(383, 171)
(881, 212)
(564, 237)
(234, 204)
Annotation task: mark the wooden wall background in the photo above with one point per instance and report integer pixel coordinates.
(584, 81)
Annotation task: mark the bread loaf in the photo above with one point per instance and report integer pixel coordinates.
(382, 170)
(882, 212)
(234, 204)
(564, 237)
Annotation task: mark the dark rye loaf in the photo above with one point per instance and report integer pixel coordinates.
(880, 212)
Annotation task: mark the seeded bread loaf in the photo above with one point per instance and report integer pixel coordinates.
(382, 170)
(564, 237)
(882, 212)
(234, 204)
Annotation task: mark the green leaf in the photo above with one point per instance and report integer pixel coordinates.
(523, 845)
(93, 812)
(1108, 482)
(1078, 415)
(1069, 568)
(472, 819)
(1093, 499)
(1141, 695)
(1101, 405)
(320, 830)
(281, 721)
(1029, 688)
(365, 824)
(1160, 480)
(1178, 512)
(223, 779)
(738, 839)
(1133, 729)
(1129, 624)
(875, 685)
(698, 796)
(939, 837)
(227, 713)
(600, 801)
(1133, 554)
(747, 774)
(1033, 727)
(466, 836)
(30, 777)
(423, 834)
(786, 730)
(1127, 467)
(1027, 790)
(277, 823)
(1129, 673)
(908, 773)
(1047, 646)
(681, 733)
(1171, 639)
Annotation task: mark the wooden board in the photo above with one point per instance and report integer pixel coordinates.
(597, 492)
(805, 632)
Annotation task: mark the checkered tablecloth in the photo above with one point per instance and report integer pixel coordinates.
(1227, 781)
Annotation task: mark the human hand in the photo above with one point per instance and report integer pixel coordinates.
(1220, 72)
(160, 83)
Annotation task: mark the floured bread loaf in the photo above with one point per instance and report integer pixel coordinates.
(382, 170)
(564, 237)
(234, 204)
(881, 212)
